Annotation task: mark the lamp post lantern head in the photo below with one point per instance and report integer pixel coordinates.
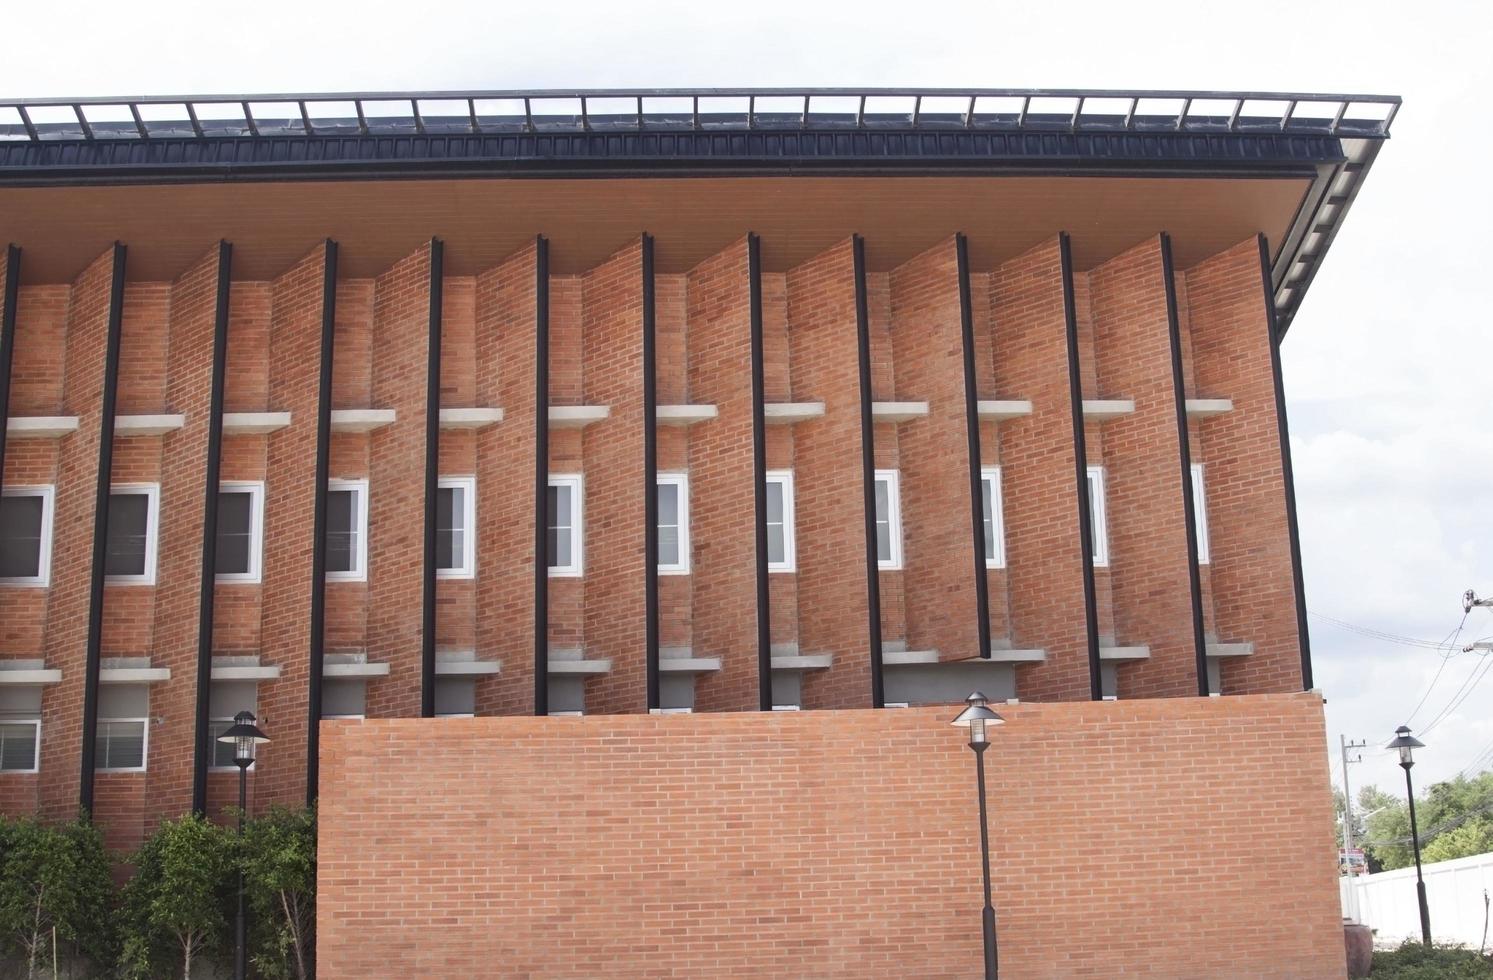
(244, 737)
(1406, 743)
(976, 717)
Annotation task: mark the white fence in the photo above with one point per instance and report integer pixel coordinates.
(1456, 893)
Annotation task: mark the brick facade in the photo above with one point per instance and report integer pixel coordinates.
(832, 844)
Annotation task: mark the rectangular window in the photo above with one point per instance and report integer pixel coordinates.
(131, 548)
(781, 549)
(455, 527)
(1200, 512)
(995, 527)
(222, 751)
(563, 518)
(673, 524)
(347, 530)
(26, 535)
(121, 744)
(1098, 521)
(240, 531)
(19, 741)
(888, 519)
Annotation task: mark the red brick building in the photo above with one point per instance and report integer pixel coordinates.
(331, 406)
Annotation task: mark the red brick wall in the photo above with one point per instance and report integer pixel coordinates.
(1252, 590)
(826, 845)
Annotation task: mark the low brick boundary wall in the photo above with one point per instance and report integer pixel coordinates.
(1179, 838)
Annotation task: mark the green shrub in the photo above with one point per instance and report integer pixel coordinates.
(1413, 961)
(174, 909)
(56, 895)
(279, 860)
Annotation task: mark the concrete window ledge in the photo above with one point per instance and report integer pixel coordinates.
(1001, 411)
(254, 423)
(905, 658)
(1124, 653)
(1010, 656)
(689, 665)
(1104, 409)
(470, 418)
(1229, 649)
(686, 414)
(361, 419)
(354, 670)
(805, 661)
(41, 426)
(576, 416)
(133, 675)
(468, 666)
(147, 425)
(250, 671)
(898, 411)
(580, 667)
(787, 413)
(28, 672)
(1202, 408)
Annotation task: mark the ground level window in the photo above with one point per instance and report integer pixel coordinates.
(121, 744)
(19, 742)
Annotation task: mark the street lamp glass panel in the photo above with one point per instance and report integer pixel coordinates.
(977, 730)
(1406, 744)
(1405, 757)
(244, 737)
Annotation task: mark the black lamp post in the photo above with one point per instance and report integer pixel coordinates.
(1406, 743)
(246, 738)
(977, 717)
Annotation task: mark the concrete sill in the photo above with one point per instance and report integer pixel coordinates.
(254, 423)
(354, 670)
(1229, 649)
(1001, 411)
(580, 667)
(1104, 409)
(147, 425)
(41, 426)
(1124, 653)
(245, 673)
(466, 668)
(685, 414)
(907, 658)
(811, 661)
(787, 413)
(361, 419)
(898, 411)
(1013, 657)
(38, 675)
(470, 418)
(576, 416)
(1202, 408)
(133, 675)
(689, 665)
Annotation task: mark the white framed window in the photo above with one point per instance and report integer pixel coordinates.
(995, 522)
(20, 745)
(223, 752)
(134, 519)
(347, 530)
(888, 519)
(26, 536)
(1200, 512)
(122, 744)
(782, 549)
(673, 524)
(1098, 516)
(240, 531)
(566, 537)
(456, 527)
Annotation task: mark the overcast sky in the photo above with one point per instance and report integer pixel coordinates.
(1386, 374)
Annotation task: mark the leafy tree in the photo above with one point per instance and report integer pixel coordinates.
(279, 862)
(55, 890)
(1455, 819)
(174, 907)
(1473, 837)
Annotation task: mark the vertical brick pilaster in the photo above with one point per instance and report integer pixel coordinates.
(1253, 595)
(505, 346)
(396, 485)
(934, 455)
(612, 325)
(1043, 556)
(72, 540)
(290, 499)
(721, 481)
(1149, 579)
(828, 480)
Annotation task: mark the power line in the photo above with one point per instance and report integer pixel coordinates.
(1451, 638)
(1474, 678)
(1384, 635)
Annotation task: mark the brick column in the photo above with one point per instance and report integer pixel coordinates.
(1249, 542)
(612, 323)
(1043, 557)
(396, 485)
(722, 495)
(290, 499)
(831, 528)
(934, 454)
(1149, 578)
(505, 345)
(66, 635)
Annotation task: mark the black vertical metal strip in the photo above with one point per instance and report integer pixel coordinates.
(319, 519)
(1184, 444)
(202, 753)
(541, 472)
(541, 475)
(432, 480)
(759, 475)
(972, 429)
(1287, 476)
(8, 342)
(101, 531)
(868, 471)
(650, 478)
(1081, 468)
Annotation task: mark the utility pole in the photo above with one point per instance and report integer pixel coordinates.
(1470, 601)
(1351, 911)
